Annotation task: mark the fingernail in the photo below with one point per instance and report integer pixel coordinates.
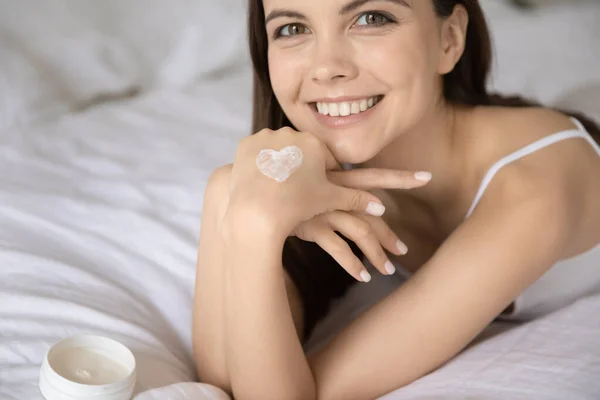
(423, 176)
(401, 247)
(375, 209)
(365, 276)
(389, 268)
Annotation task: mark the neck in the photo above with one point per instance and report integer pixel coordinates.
(429, 146)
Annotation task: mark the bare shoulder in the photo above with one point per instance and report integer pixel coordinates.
(562, 176)
(502, 131)
(499, 131)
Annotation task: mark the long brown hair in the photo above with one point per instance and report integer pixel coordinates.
(465, 85)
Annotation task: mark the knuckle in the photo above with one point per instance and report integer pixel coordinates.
(372, 175)
(388, 233)
(264, 131)
(286, 132)
(363, 230)
(405, 178)
(355, 201)
(302, 232)
(380, 257)
(339, 248)
(336, 177)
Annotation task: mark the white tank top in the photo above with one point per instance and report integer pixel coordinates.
(569, 279)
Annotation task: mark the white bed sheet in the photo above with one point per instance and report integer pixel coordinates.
(100, 211)
(99, 219)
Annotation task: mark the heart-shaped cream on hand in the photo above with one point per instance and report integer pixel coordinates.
(279, 165)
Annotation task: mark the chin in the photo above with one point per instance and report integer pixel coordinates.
(352, 153)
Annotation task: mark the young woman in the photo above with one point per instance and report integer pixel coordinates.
(490, 205)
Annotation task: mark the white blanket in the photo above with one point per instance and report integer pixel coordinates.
(100, 212)
(99, 219)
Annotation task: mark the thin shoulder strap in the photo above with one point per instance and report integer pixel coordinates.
(578, 124)
(531, 148)
(588, 137)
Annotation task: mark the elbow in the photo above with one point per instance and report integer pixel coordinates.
(273, 391)
(211, 369)
(274, 396)
(215, 380)
(213, 377)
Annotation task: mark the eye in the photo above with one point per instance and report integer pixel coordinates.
(373, 18)
(290, 30)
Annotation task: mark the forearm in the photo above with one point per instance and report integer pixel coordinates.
(265, 358)
(208, 333)
(209, 310)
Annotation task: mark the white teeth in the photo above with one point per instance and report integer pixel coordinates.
(344, 109)
(347, 108)
(363, 105)
(334, 110)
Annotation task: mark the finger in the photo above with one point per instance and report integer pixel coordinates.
(385, 235)
(346, 199)
(329, 241)
(361, 233)
(379, 178)
(307, 230)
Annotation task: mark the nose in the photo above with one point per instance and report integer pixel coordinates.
(333, 62)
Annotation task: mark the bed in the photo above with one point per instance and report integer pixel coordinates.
(112, 116)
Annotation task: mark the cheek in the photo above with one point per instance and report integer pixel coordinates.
(400, 62)
(285, 73)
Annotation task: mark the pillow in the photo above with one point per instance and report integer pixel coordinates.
(67, 55)
(544, 53)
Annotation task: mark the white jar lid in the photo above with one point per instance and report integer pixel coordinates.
(88, 368)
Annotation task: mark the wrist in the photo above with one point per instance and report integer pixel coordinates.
(253, 226)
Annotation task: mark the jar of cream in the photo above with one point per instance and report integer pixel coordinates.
(88, 368)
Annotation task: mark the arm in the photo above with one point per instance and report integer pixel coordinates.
(209, 322)
(208, 329)
(264, 354)
(478, 271)
(244, 334)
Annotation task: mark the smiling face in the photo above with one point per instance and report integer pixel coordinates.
(357, 74)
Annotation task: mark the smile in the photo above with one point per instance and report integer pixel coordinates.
(344, 109)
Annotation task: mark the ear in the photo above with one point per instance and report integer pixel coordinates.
(453, 39)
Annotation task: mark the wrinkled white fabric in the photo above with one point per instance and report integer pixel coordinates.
(100, 209)
(66, 55)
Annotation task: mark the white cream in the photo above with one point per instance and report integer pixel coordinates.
(279, 165)
(345, 109)
(87, 366)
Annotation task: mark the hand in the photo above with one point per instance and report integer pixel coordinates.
(371, 234)
(317, 200)
(306, 193)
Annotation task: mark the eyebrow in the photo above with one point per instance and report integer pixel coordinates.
(285, 14)
(353, 5)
